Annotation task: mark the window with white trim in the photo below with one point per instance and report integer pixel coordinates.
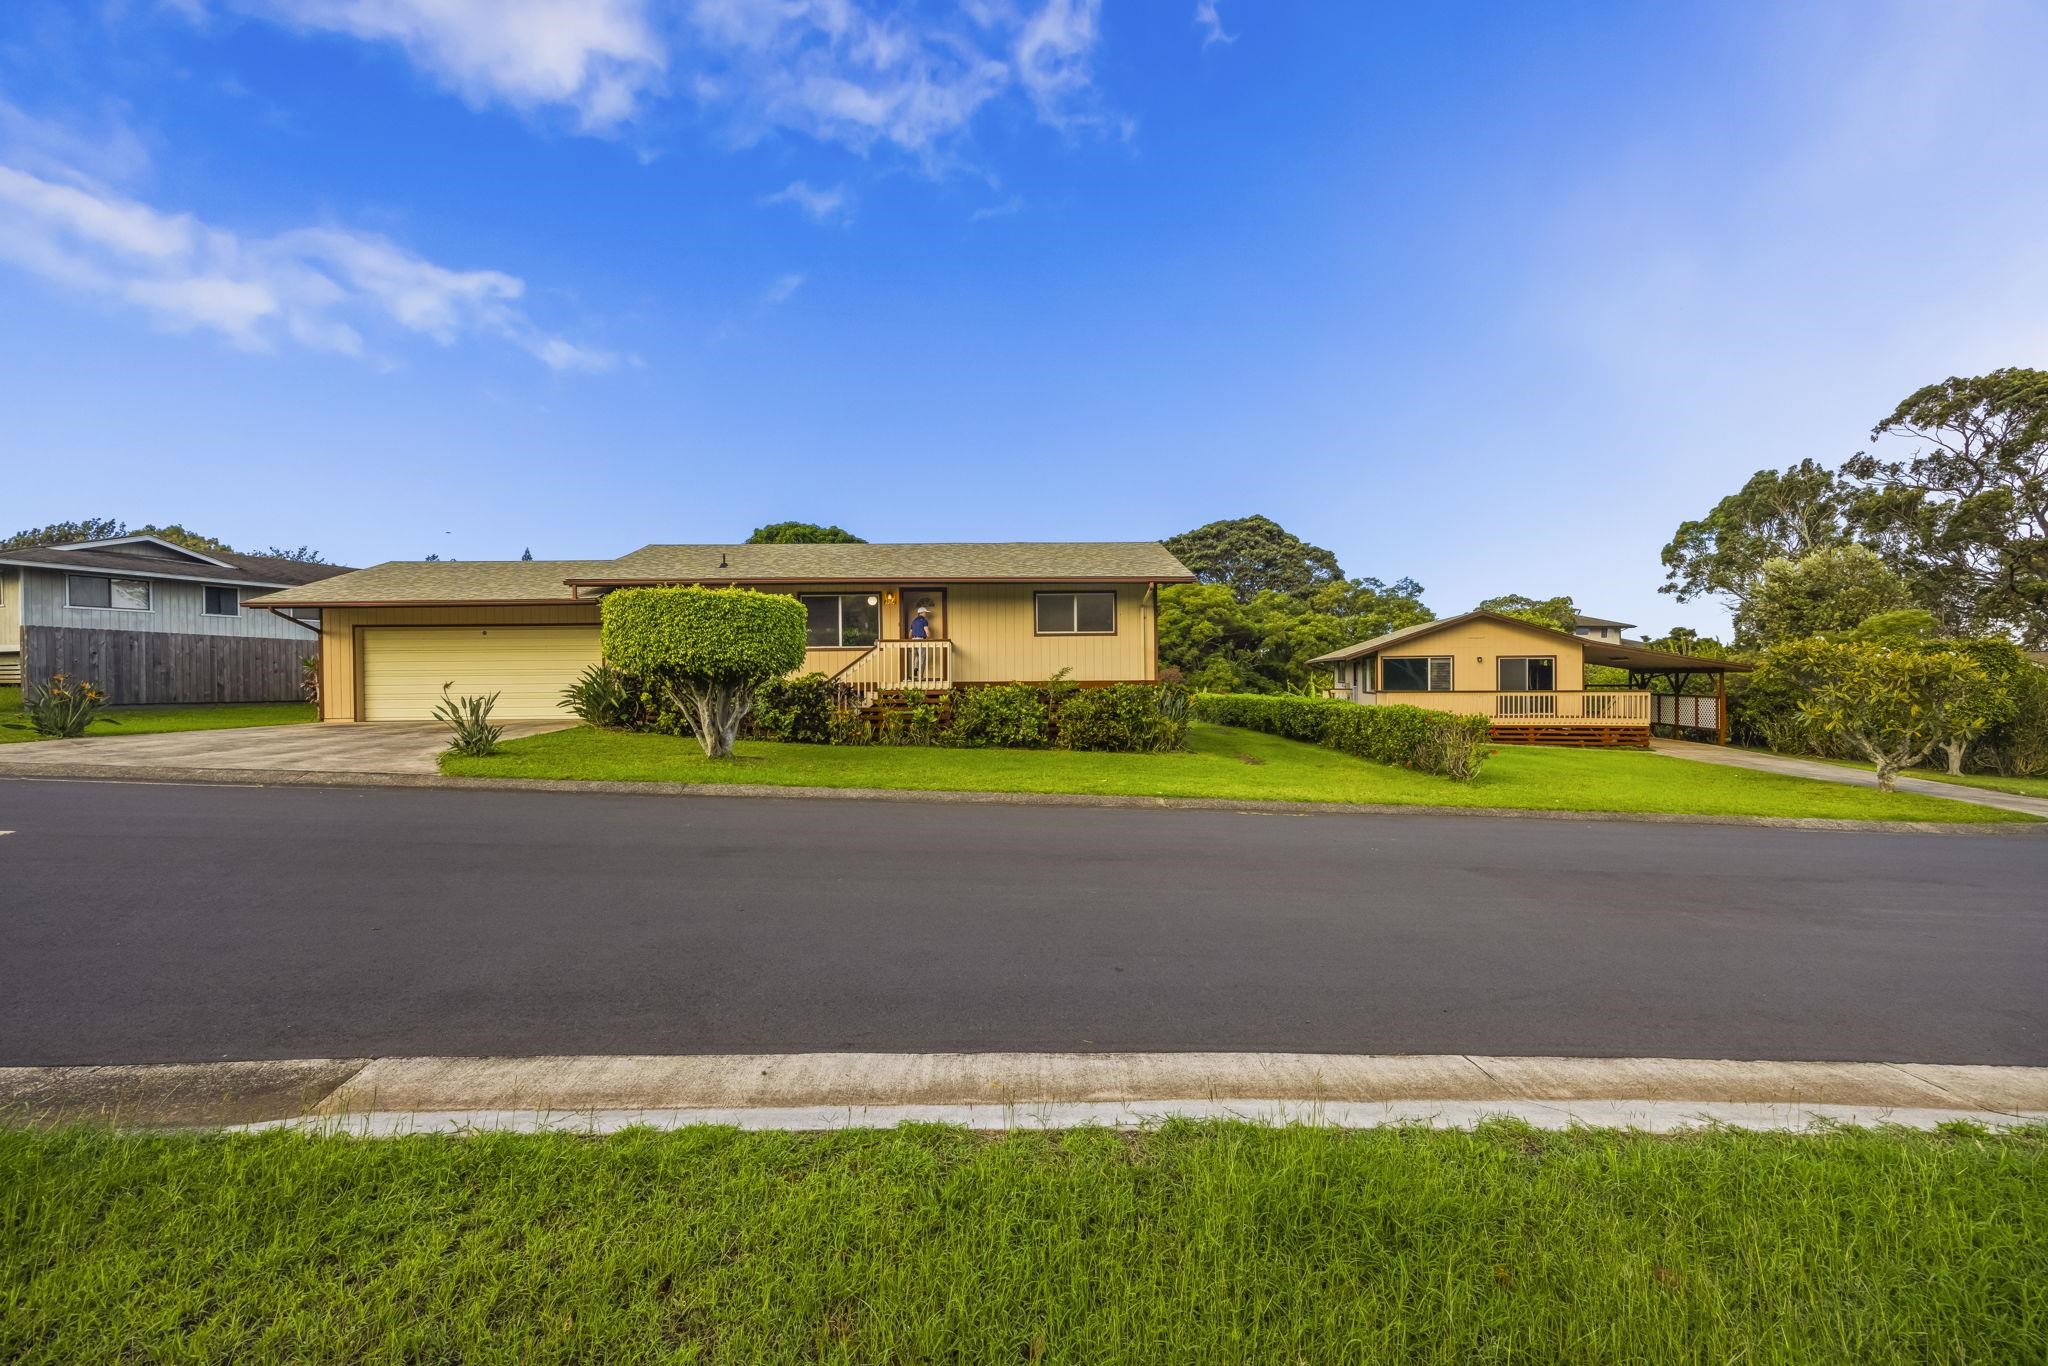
(223, 602)
(120, 595)
(1075, 614)
(835, 619)
(1415, 673)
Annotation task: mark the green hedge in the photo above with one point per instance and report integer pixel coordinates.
(1405, 737)
(723, 635)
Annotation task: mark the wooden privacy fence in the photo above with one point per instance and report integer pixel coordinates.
(133, 667)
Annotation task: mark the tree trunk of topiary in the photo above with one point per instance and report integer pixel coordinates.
(716, 711)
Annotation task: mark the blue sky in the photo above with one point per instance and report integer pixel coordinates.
(1493, 296)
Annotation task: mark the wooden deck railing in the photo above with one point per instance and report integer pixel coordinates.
(891, 664)
(1595, 707)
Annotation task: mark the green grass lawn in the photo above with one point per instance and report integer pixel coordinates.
(1227, 763)
(1990, 782)
(149, 720)
(1196, 1243)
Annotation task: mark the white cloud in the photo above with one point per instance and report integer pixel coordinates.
(601, 58)
(782, 289)
(1211, 23)
(823, 206)
(318, 287)
(838, 72)
(1014, 204)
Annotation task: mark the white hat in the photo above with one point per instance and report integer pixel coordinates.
(924, 611)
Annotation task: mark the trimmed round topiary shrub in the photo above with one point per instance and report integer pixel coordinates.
(709, 649)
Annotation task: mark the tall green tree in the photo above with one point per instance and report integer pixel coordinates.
(1777, 514)
(64, 533)
(1964, 515)
(1254, 555)
(1558, 614)
(1223, 645)
(802, 533)
(1830, 589)
(107, 528)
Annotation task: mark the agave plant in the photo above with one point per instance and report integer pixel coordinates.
(470, 720)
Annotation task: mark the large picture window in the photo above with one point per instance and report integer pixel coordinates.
(1069, 614)
(835, 619)
(1536, 673)
(123, 595)
(1415, 674)
(223, 602)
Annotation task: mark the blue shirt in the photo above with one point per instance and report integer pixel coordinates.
(920, 628)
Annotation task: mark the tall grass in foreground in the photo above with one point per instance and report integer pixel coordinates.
(1191, 1243)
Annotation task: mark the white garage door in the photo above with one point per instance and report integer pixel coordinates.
(528, 666)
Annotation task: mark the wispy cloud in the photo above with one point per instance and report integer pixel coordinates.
(1014, 204)
(1211, 24)
(784, 286)
(823, 206)
(316, 287)
(600, 58)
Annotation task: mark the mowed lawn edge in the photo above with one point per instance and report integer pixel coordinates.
(14, 727)
(1222, 762)
(1189, 1242)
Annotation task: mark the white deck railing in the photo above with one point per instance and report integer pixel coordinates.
(1595, 707)
(891, 664)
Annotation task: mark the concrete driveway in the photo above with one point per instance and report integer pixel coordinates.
(386, 747)
(1820, 771)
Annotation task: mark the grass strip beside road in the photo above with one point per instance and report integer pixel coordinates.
(1222, 762)
(14, 726)
(1193, 1242)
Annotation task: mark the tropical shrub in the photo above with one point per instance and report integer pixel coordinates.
(309, 678)
(2018, 746)
(909, 718)
(1892, 705)
(469, 720)
(708, 650)
(61, 709)
(1406, 737)
(1122, 718)
(1003, 715)
(602, 696)
(796, 709)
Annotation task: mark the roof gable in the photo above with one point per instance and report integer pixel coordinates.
(150, 547)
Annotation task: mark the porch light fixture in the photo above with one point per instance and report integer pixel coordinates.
(871, 599)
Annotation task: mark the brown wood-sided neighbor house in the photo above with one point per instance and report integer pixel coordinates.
(394, 634)
(1530, 681)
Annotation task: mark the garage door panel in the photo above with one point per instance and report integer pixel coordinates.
(528, 666)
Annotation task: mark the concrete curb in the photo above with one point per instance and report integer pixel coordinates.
(251, 777)
(1009, 1090)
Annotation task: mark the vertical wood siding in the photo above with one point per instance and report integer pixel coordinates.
(175, 608)
(10, 608)
(1475, 648)
(157, 667)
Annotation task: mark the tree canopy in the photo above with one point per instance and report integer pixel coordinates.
(1254, 555)
(1831, 589)
(802, 533)
(1964, 515)
(708, 648)
(1557, 613)
(1778, 514)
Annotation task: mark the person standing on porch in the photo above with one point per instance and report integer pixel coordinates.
(920, 629)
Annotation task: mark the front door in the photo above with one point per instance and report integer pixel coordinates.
(932, 601)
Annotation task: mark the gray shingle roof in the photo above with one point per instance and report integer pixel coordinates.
(944, 561)
(451, 581)
(261, 570)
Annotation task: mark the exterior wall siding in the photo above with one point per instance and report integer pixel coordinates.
(1475, 646)
(10, 609)
(338, 638)
(176, 608)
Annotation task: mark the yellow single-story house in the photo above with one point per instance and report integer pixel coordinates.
(394, 634)
(1530, 680)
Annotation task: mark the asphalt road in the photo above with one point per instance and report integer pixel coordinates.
(158, 923)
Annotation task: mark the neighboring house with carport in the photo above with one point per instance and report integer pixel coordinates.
(393, 635)
(148, 621)
(1530, 681)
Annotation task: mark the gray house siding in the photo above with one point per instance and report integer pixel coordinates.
(172, 653)
(175, 607)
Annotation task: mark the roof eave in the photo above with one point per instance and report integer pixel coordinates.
(939, 579)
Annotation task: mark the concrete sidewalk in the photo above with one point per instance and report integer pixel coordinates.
(392, 747)
(1825, 772)
(1013, 1090)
